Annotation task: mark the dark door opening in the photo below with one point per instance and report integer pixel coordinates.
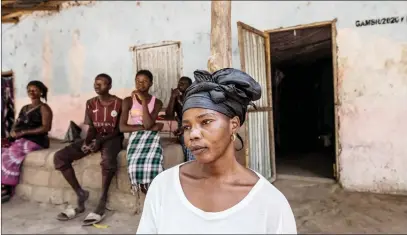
(303, 101)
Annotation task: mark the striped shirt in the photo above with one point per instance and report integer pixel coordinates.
(104, 118)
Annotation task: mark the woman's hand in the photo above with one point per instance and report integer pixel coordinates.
(13, 134)
(139, 95)
(16, 134)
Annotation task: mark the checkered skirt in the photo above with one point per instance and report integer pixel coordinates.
(144, 157)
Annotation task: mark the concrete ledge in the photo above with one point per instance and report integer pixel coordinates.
(40, 182)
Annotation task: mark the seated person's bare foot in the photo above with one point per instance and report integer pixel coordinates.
(101, 207)
(97, 215)
(69, 214)
(82, 197)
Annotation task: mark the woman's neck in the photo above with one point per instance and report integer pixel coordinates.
(224, 166)
(35, 102)
(146, 94)
(147, 97)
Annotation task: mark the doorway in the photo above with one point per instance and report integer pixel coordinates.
(302, 77)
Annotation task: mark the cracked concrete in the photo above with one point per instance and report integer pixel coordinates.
(318, 208)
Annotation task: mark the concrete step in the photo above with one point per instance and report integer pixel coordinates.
(40, 182)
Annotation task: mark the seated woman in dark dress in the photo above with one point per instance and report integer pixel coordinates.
(29, 133)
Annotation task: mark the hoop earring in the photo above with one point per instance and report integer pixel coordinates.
(233, 137)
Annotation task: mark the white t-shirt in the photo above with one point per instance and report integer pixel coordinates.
(264, 210)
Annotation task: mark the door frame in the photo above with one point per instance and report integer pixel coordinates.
(331, 23)
(242, 26)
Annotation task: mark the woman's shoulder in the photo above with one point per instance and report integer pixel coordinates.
(128, 100)
(167, 175)
(273, 196)
(165, 179)
(25, 107)
(46, 107)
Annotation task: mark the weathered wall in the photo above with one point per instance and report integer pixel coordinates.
(66, 50)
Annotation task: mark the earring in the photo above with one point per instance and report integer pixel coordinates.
(233, 137)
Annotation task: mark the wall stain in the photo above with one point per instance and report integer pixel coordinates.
(70, 4)
(47, 62)
(342, 66)
(76, 64)
(199, 37)
(35, 26)
(389, 63)
(403, 61)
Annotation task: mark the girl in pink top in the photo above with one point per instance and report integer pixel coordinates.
(136, 111)
(139, 114)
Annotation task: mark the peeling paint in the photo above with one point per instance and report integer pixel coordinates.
(70, 4)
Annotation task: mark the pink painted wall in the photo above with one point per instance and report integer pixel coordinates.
(373, 111)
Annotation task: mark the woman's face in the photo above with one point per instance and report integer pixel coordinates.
(207, 133)
(33, 92)
(143, 83)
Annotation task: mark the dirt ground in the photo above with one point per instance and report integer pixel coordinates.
(318, 208)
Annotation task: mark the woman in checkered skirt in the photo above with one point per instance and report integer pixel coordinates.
(144, 151)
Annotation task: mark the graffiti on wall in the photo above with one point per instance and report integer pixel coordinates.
(381, 21)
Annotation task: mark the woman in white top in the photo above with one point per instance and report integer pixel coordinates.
(214, 193)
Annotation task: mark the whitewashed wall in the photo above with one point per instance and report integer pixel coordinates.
(66, 50)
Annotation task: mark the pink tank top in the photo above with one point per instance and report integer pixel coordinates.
(136, 111)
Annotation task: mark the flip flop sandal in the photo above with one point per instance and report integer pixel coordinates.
(68, 214)
(93, 218)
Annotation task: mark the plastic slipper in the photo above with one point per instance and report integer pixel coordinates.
(93, 218)
(68, 214)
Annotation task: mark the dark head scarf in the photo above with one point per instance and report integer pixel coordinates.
(227, 91)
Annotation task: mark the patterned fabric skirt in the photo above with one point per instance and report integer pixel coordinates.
(12, 158)
(144, 157)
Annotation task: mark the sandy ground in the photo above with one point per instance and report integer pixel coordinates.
(318, 208)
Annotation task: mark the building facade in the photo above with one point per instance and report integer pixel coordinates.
(66, 50)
